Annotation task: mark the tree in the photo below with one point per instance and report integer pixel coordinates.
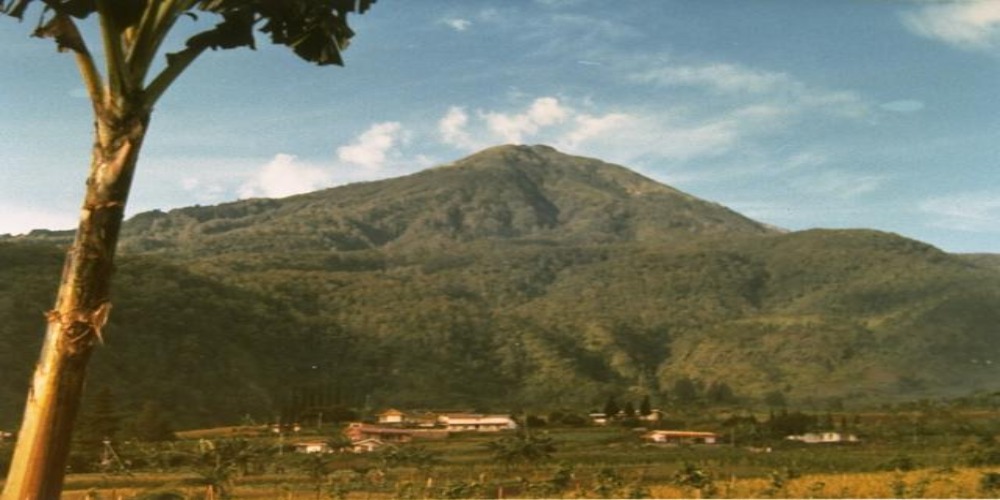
(685, 390)
(152, 425)
(131, 35)
(629, 410)
(99, 423)
(775, 399)
(720, 393)
(524, 447)
(611, 408)
(645, 408)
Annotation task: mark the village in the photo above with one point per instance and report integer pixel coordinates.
(393, 427)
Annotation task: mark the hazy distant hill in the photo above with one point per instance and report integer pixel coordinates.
(518, 276)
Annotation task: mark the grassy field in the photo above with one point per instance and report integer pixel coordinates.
(926, 483)
(631, 483)
(588, 462)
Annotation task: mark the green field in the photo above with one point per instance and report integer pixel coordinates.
(924, 451)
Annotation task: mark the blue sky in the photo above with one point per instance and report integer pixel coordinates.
(798, 113)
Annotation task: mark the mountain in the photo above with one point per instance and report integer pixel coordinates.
(516, 277)
(506, 192)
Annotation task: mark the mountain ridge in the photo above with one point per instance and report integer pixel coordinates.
(501, 192)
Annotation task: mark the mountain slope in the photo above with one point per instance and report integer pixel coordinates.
(195, 345)
(517, 277)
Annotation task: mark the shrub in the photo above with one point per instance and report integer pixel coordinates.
(989, 483)
(692, 476)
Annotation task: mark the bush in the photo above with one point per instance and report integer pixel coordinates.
(574, 420)
(567, 418)
(535, 421)
(900, 462)
(692, 476)
(989, 483)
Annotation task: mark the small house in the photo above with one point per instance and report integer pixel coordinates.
(312, 447)
(654, 416)
(391, 416)
(598, 418)
(421, 419)
(681, 437)
(824, 438)
(367, 445)
(357, 431)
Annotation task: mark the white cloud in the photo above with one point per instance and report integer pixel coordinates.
(546, 120)
(543, 112)
(588, 127)
(204, 190)
(970, 24)
(613, 135)
(452, 128)
(458, 24)
(972, 212)
(372, 148)
(284, 175)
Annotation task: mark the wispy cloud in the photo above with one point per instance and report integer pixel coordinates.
(977, 212)
(720, 77)
(457, 23)
(840, 184)
(589, 127)
(772, 167)
(969, 25)
(903, 106)
(559, 3)
(747, 85)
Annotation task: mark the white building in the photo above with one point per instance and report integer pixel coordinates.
(367, 445)
(475, 422)
(313, 447)
(824, 437)
(681, 437)
(391, 416)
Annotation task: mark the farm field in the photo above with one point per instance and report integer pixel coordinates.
(585, 462)
(925, 483)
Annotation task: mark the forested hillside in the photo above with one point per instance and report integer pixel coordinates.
(517, 277)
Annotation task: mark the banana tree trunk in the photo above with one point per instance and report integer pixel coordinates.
(81, 310)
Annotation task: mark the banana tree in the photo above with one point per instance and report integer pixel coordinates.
(123, 88)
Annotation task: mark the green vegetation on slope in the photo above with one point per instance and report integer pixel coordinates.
(518, 277)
